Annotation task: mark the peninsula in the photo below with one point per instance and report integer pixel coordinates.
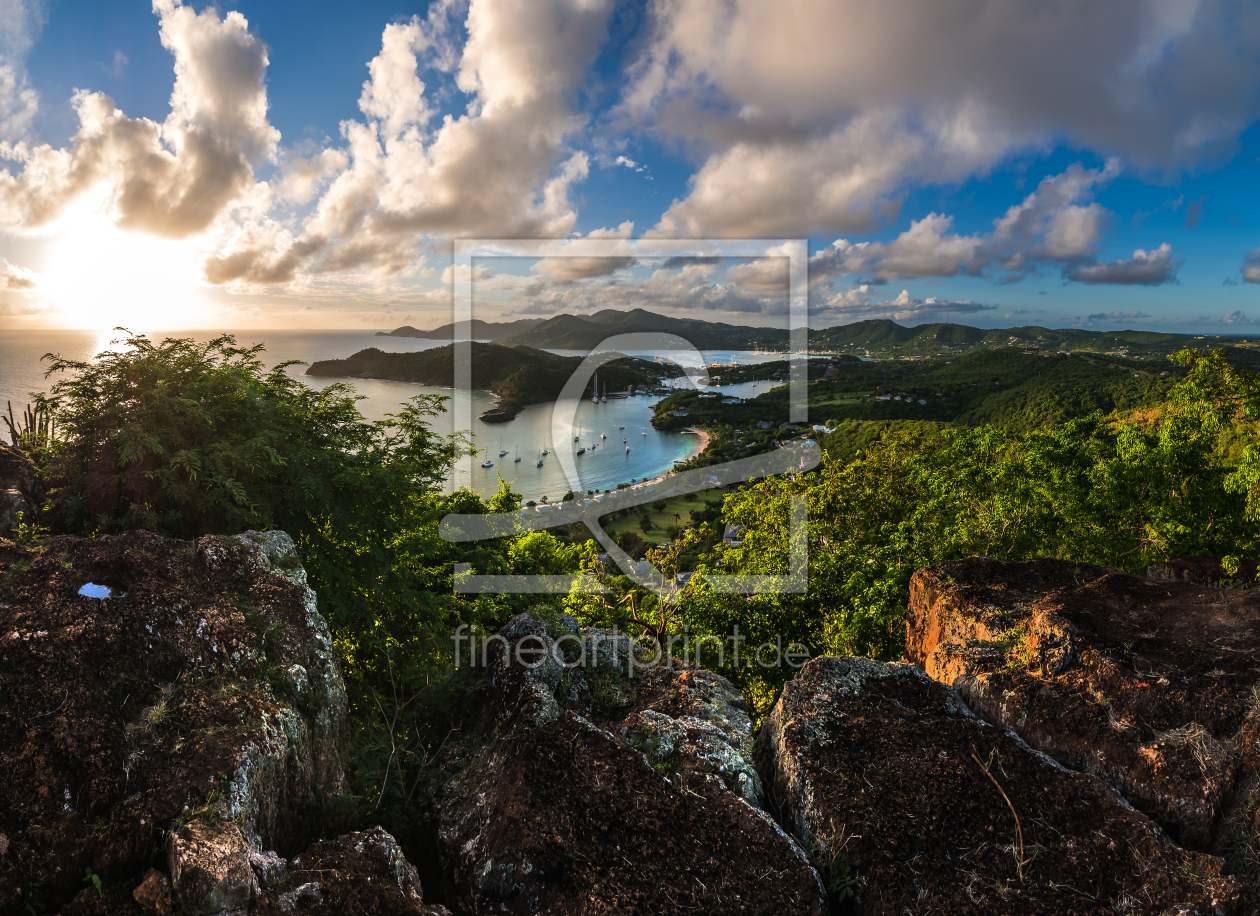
(518, 375)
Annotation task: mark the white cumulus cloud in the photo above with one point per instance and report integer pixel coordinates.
(171, 179)
(500, 169)
(817, 120)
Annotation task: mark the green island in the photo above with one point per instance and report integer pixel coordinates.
(518, 375)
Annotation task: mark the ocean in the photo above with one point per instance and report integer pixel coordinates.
(604, 425)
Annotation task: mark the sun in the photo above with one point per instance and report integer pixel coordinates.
(100, 276)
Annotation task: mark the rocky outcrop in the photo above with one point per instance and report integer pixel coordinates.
(359, 873)
(596, 782)
(19, 487)
(1150, 685)
(914, 805)
(163, 702)
(1203, 571)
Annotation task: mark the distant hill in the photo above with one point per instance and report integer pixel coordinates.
(585, 332)
(884, 337)
(518, 375)
(480, 330)
(881, 337)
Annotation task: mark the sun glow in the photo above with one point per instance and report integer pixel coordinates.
(99, 276)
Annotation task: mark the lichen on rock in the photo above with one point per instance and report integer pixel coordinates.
(594, 778)
(911, 804)
(170, 714)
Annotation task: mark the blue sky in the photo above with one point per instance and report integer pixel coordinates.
(286, 165)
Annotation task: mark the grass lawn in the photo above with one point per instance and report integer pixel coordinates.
(663, 519)
(841, 400)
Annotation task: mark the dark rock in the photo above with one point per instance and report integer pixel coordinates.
(597, 783)
(360, 874)
(1150, 685)
(1202, 571)
(198, 708)
(882, 772)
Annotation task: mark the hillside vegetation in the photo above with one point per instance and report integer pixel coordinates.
(1017, 390)
(574, 332)
(884, 338)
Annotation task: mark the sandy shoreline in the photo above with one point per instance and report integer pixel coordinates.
(704, 438)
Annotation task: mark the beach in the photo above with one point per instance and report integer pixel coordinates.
(704, 437)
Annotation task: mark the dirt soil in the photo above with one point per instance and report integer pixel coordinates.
(122, 716)
(875, 762)
(1148, 684)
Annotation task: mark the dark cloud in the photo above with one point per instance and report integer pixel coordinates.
(1145, 268)
(1194, 212)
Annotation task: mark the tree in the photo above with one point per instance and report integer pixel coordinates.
(629, 541)
(646, 524)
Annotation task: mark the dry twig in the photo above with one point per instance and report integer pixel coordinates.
(1019, 831)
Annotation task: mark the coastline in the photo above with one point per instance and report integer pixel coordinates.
(705, 438)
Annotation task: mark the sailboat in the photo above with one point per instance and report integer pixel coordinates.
(645, 429)
(603, 435)
(487, 463)
(544, 451)
(518, 454)
(627, 450)
(595, 390)
(605, 396)
(581, 450)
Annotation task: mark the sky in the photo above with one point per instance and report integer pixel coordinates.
(284, 165)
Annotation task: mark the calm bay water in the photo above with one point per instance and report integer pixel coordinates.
(651, 452)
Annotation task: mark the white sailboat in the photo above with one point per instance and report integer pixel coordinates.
(595, 389)
(487, 463)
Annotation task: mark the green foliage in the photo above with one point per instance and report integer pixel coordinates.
(186, 439)
(94, 879)
(1117, 494)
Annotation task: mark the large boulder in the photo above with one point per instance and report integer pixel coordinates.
(1150, 685)
(162, 702)
(914, 805)
(598, 782)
